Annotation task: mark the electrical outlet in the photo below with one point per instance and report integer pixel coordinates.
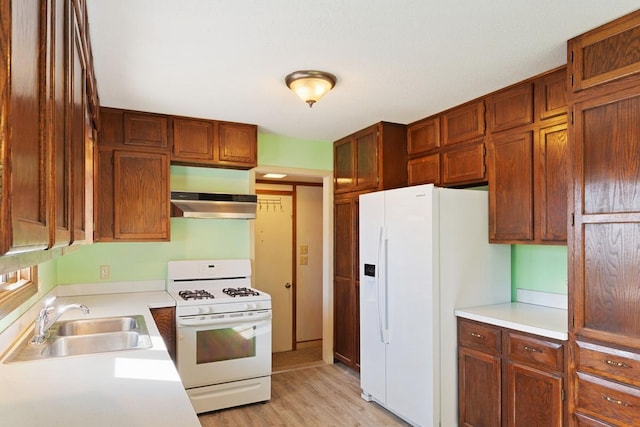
(304, 260)
(304, 249)
(104, 272)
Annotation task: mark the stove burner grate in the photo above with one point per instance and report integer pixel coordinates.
(240, 292)
(196, 294)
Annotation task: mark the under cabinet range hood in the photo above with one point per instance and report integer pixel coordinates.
(213, 205)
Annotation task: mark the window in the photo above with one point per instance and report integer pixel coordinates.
(16, 287)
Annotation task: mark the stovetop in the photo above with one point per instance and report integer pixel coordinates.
(214, 283)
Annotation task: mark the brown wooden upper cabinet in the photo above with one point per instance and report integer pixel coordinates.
(199, 142)
(510, 108)
(44, 128)
(607, 53)
(423, 136)
(145, 130)
(424, 170)
(370, 159)
(461, 162)
(463, 165)
(550, 94)
(463, 123)
(131, 192)
(510, 160)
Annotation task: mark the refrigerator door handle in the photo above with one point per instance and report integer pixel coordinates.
(378, 275)
(381, 286)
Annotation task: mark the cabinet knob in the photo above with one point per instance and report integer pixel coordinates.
(532, 349)
(473, 334)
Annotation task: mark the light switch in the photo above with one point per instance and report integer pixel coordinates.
(304, 249)
(304, 260)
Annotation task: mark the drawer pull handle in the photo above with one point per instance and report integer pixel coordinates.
(532, 349)
(473, 334)
(616, 401)
(616, 364)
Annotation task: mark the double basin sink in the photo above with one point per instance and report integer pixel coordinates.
(85, 336)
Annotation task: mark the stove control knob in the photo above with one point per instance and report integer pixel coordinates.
(252, 306)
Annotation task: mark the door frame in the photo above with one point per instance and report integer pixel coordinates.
(327, 243)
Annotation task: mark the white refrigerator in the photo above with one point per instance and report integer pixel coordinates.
(424, 252)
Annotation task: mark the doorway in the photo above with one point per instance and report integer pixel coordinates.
(325, 179)
(288, 263)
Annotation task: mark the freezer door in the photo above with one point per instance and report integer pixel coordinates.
(372, 303)
(413, 304)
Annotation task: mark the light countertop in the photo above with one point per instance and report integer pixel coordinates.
(124, 388)
(535, 319)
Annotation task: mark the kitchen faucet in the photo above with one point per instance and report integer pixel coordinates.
(44, 319)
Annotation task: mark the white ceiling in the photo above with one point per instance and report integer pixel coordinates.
(396, 61)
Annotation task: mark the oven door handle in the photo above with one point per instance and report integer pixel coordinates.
(223, 320)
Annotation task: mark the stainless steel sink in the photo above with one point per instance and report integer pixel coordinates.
(96, 326)
(85, 336)
(95, 343)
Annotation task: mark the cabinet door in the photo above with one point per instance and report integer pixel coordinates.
(343, 165)
(479, 389)
(424, 170)
(552, 183)
(237, 145)
(367, 159)
(510, 108)
(463, 165)
(606, 53)
(511, 187)
(346, 325)
(534, 397)
(61, 190)
(141, 196)
(607, 211)
(423, 136)
(165, 318)
(463, 123)
(145, 130)
(192, 140)
(77, 133)
(24, 175)
(551, 95)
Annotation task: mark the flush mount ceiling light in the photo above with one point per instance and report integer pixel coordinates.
(310, 85)
(274, 175)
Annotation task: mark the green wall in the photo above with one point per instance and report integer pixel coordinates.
(193, 238)
(539, 268)
(276, 150)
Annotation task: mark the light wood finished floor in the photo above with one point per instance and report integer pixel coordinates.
(306, 355)
(322, 396)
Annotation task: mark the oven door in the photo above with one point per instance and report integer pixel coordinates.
(222, 348)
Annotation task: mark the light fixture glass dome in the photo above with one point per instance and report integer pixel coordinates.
(310, 85)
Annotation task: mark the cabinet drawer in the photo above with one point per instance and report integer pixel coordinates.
(584, 421)
(608, 401)
(482, 337)
(542, 353)
(612, 363)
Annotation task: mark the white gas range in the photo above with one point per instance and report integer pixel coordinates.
(223, 333)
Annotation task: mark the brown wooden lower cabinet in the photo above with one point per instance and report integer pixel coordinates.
(509, 378)
(165, 318)
(606, 386)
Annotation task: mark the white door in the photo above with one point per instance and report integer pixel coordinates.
(273, 265)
